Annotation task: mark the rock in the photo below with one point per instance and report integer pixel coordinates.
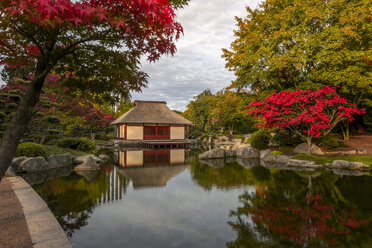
(16, 162)
(277, 159)
(227, 148)
(303, 163)
(264, 153)
(361, 151)
(222, 138)
(33, 164)
(88, 164)
(342, 153)
(303, 148)
(342, 164)
(59, 160)
(82, 159)
(103, 157)
(214, 153)
(10, 172)
(248, 152)
(343, 172)
(236, 141)
(230, 153)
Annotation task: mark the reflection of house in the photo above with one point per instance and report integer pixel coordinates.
(155, 157)
(115, 187)
(150, 120)
(152, 176)
(151, 168)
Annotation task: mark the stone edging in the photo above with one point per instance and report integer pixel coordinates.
(43, 227)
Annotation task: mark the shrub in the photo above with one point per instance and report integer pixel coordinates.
(283, 138)
(81, 144)
(51, 140)
(276, 153)
(30, 149)
(260, 139)
(328, 142)
(195, 134)
(53, 131)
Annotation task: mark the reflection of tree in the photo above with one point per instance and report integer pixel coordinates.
(73, 198)
(231, 175)
(299, 210)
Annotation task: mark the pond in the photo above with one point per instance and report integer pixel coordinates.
(168, 198)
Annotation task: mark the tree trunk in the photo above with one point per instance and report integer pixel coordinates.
(308, 141)
(21, 118)
(346, 131)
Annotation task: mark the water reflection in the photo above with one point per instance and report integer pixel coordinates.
(214, 203)
(72, 199)
(296, 209)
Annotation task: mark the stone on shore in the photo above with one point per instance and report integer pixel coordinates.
(303, 148)
(303, 163)
(264, 153)
(16, 162)
(59, 160)
(88, 164)
(33, 164)
(214, 153)
(248, 152)
(277, 159)
(342, 164)
(230, 153)
(103, 157)
(84, 158)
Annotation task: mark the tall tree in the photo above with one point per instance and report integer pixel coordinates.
(296, 44)
(94, 45)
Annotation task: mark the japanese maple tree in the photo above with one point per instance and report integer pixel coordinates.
(309, 113)
(94, 45)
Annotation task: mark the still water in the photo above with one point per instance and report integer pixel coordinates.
(167, 198)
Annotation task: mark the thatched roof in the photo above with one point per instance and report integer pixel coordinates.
(152, 176)
(151, 112)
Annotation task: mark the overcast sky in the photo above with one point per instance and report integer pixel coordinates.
(197, 65)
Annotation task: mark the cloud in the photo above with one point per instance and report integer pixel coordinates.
(197, 65)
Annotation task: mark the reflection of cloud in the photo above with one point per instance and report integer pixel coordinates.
(164, 217)
(197, 65)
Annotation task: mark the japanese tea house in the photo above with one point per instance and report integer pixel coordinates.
(151, 122)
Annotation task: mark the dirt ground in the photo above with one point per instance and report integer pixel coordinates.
(13, 227)
(358, 141)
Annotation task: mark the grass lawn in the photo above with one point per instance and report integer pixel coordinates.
(367, 159)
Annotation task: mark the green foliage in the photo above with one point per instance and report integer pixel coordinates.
(81, 144)
(303, 45)
(30, 149)
(276, 153)
(52, 131)
(260, 139)
(195, 134)
(14, 97)
(11, 106)
(53, 119)
(2, 115)
(103, 136)
(322, 160)
(328, 142)
(284, 138)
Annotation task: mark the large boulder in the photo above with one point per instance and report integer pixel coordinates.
(88, 164)
(248, 152)
(303, 148)
(277, 159)
(230, 153)
(215, 163)
(16, 162)
(33, 164)
(214, 153)
(84, 158)
(264, 153)
(303, 163)
(342, 164)
(59, 160)
(248, 163)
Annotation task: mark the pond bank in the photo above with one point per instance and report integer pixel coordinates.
(35, 221)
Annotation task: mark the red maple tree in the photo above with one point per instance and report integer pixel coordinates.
(95, 45)
(309, 113)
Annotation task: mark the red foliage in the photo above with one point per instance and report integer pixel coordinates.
(309, 111)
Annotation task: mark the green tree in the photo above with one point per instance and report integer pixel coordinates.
(295, 44)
